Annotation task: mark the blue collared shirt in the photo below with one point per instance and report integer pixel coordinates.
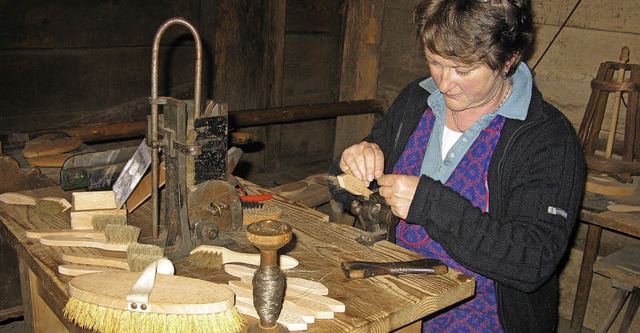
(515, 107)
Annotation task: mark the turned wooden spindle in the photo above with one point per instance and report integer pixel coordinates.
(268, 280)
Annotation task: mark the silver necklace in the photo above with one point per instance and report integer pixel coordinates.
(453, 114)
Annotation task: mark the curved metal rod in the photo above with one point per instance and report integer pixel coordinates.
(154, 107)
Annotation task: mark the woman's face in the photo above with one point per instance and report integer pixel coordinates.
(464, 86)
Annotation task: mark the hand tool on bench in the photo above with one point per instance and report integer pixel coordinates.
(372, 211)
(366, 269)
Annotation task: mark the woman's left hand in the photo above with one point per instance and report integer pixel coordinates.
(398, 192)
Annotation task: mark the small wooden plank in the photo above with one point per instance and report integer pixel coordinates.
(93, 200)
(621, 266)
(82, 219)
(609, 186)
(621, 208)
(17, 199)
(142, 192)
(50, 146)
(292, 322)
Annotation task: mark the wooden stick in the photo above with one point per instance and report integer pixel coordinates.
(624, 58)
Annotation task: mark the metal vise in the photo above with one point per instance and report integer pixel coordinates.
(376, 218)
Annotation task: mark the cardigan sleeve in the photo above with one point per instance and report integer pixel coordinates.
(533, 207)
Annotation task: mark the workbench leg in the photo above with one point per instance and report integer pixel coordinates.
(591, 247)
(25, 288)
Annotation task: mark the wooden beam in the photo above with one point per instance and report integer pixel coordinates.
(238, 119)
(363, 21)
(273, 69)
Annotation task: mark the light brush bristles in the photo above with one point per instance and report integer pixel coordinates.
(108, 320)
(121, 234)
(206, 259)
(139, 256)
(100, 222)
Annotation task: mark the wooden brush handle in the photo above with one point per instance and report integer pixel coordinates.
(96, 261)
(76, 270)
(619, 208)
(39, 233)
(82, 242)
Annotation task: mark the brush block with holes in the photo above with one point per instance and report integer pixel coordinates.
(353, 185)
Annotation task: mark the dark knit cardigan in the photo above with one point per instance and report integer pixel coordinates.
(536, 175)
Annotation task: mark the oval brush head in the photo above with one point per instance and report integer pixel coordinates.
(98, 301)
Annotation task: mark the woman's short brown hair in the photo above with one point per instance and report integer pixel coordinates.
(476, 31)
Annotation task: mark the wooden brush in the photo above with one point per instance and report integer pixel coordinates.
(139, 256)
(117, 238)
(213, 257)
(43, 206)
(121, 301)
(98, 223)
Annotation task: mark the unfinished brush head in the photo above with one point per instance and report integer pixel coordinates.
(263, 213)
(139, 256)
(121, 234)
(100, 222)
(176, 304)
(206, 259)
(45, 207)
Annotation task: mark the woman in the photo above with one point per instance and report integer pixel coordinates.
(484, 174)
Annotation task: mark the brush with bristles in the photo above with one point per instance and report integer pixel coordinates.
(139, 256)
(98, 225)
(214, 257)
(122, 301)
(117, 238)
(44, 207)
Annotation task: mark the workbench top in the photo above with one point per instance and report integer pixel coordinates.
(378, 304)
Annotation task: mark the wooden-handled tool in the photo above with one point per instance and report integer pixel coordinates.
(365, 269)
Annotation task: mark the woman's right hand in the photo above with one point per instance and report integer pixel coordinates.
(364, 160)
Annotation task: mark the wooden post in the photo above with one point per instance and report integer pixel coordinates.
(360, 54)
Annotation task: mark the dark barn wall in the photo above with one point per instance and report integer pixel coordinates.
(84, 62)
(67, 64)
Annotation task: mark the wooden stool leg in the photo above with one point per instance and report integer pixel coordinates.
(617, 301)
(632, 308)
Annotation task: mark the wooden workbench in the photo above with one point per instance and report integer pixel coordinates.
(379, 304)
(595, 214)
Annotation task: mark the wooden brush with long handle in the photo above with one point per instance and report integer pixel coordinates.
(46, 206)
(117, 238)
(209, 256)
(139, 256)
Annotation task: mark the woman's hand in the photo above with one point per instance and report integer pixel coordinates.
(364, 160)
(398, 192)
